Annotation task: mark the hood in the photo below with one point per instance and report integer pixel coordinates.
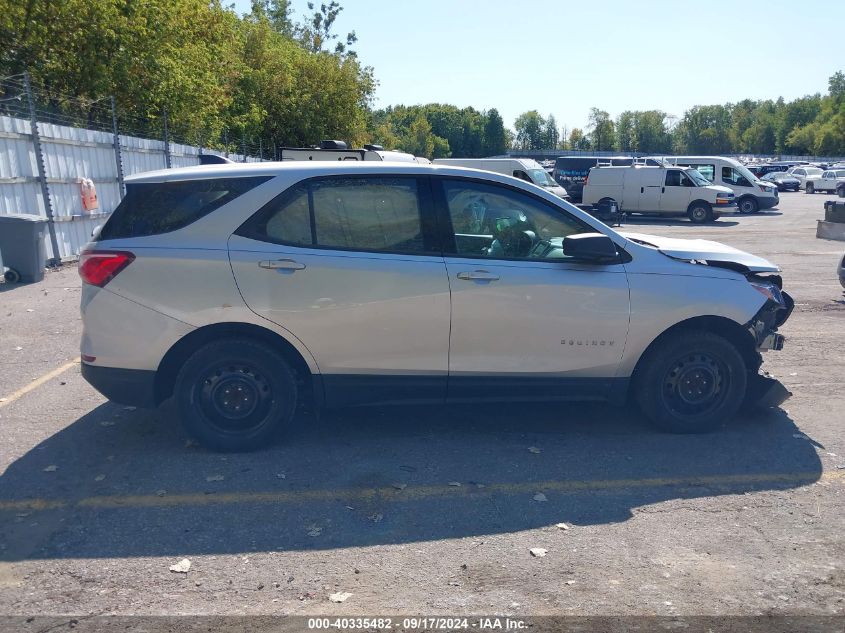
(713, 253)
(721, 189)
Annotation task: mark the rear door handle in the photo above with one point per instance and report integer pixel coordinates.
(281, 264)
(478, 275)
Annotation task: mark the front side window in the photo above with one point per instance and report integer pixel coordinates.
(351, 213)
(673, 178)
(497, 222)
(733, 177)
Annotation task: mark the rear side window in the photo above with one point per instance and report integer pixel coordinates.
(152, 208)
(347, 213)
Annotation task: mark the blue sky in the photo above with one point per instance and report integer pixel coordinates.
(565, 57)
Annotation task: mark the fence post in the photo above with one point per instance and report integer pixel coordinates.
(167, 161)
(243, 147)
(260, 151)
(42, 172)
(226, 141)
(118, 159)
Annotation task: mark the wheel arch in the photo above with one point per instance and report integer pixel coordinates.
(730, 330)
(698, 201)
(176, 356)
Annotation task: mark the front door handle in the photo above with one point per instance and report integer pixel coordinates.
(478, 275)
(281, 264)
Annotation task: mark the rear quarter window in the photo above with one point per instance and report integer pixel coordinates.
(152, 208)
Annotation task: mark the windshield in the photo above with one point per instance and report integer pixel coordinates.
(541, 177)
(742, 169)
(697, 178)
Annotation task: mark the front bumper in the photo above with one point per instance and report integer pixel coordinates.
(768, 202)
(133, 387)
(763, 327)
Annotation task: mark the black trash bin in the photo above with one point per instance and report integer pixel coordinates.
(22, 244)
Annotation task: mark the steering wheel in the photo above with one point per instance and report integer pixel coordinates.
(513, 241)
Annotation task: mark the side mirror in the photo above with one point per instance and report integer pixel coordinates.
(591, 247)
(96, 231)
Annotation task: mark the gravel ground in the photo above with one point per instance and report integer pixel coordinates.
(432, 510)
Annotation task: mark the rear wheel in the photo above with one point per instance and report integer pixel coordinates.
(700, 212)
(840, 191)
(235, 395)
(691, 382)
(810, 188)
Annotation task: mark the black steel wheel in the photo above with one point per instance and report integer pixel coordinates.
(236, 394)
(691, 382)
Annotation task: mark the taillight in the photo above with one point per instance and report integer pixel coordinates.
(99, 267)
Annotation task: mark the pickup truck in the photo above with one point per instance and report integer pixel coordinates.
(831, 181)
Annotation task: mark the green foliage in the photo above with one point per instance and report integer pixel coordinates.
(602, 130)
(530, 131)
(259, 76)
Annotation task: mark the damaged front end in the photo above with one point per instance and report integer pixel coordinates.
(763, 390)
(774, 312)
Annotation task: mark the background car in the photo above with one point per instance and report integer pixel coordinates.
(831, 181)
(805, 173)
(784, 181)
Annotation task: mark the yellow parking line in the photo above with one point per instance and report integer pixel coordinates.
(37, 383)
(412, 493)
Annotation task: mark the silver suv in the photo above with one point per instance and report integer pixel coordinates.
(244, 290)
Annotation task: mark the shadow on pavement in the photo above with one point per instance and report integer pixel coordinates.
(127, 482)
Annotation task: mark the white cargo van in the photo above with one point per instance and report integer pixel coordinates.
(752, 194)
(658, 190)
(523, 168)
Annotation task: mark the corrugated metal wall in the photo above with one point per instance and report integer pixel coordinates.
(71, 154)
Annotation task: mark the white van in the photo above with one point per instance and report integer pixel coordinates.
(523, 168)
(658, 190)
(752, 194)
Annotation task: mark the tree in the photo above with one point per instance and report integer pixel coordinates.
(578, 140)
(495, 141)
(316, 32)
(277, 12)
(550, 134)
(530, 127)
(601, 130)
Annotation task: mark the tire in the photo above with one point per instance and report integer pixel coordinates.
(224, 377)
(748, 205)
(840, 191)
(12, 276)
(810, 188)
(700, 212)
(691, 382)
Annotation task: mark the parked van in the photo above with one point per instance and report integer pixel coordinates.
(752, 194)
(570, 172)
(658, 190)
(525, 169)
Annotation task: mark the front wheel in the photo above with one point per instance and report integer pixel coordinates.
(700, 212)
(810, 188)
(840, 191)
(692, 382)
(749, 205)
(235, 395)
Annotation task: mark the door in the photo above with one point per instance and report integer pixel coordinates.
(648, 186)
(527, 321)
(352, 267)
(676, 191)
